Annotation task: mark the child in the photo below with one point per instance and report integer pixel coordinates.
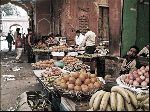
(18, 46)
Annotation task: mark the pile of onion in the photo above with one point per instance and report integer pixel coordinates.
(137, 78)
(54, 71)
(79, 81)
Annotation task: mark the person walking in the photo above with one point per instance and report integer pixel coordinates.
(18, 47)
(16, 32)
(9, 39)
(24, 43)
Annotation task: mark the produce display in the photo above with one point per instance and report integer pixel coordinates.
(137, 78)
(59, 48)
(69, 60)
(50, 40)
(76, 67)
(118, 99)
(54, 71)
(43, 46)
(50, 75)
(43, 64)
(143, 102)
(86, 55)
(78, 81)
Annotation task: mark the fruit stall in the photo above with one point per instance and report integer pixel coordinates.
(71, 85)
(76, 81)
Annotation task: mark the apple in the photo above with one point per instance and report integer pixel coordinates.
(135, 83)
(127, 80)
(131, 82)
(138, 79)
(147, 80)
(144, 83)
(142, 77)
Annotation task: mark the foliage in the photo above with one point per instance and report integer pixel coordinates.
(10, 10)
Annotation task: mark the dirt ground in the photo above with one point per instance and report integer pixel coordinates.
(22, 80)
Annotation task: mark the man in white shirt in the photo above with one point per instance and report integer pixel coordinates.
(89, 42)
(79, 38)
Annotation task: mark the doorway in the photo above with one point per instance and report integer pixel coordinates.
(103, 24)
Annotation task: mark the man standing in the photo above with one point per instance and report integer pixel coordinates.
(78, 38)
(29, 43)
(19, 46)
(9, 39)
(89, 42)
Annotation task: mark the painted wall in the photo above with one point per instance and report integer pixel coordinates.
(129, 25)
(143, 24)
(135, 24)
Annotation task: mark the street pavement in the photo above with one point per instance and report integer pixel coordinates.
(16, 78)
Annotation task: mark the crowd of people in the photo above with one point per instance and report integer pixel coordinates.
(22, 44)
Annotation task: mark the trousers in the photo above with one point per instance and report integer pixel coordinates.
(19, 53)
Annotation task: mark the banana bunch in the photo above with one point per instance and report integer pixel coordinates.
(119, 99)
(143, 101)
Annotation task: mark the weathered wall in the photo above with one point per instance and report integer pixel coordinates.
(71, 11)
(115, 27)
(65, 18)
(42, 17)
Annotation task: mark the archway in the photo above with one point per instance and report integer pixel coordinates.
(10, 23)
(13, 28)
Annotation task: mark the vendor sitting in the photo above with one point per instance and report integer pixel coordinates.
(131, 62)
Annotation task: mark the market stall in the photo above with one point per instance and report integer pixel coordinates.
(73, 79)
